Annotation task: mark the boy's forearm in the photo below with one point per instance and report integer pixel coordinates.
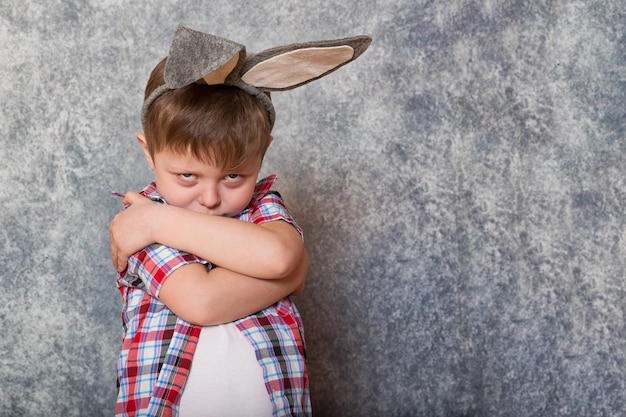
(218, 296)
(268, 251)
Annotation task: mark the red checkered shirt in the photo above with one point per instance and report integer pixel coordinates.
(158, 347)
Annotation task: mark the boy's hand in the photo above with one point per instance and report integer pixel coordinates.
(130, 230)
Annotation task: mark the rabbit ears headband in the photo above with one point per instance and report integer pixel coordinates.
(197, 57)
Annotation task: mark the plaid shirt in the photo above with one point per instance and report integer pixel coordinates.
(158, 347)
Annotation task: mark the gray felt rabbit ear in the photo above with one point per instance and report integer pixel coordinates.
(198, 56)
(291, 66)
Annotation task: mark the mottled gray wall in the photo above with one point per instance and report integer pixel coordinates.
(461, 189)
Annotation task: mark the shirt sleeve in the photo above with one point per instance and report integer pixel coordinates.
(150, 267)
(271, 207)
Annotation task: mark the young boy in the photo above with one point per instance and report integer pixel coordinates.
(203, 181)
(205, 142)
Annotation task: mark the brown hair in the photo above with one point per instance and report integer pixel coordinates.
(217, 124)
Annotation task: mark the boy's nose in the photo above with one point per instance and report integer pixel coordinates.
(210, 197)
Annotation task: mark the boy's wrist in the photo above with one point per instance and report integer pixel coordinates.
(156, 219)
(162, 222)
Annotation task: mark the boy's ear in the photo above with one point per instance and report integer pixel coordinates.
(141, 138)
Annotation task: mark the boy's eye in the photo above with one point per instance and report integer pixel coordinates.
(232, 177)
(187, 177)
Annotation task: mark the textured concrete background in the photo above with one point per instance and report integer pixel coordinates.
(461, 187)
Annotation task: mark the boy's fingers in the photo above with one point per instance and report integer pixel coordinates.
(113, 249)
(121, 264)
(132, 197)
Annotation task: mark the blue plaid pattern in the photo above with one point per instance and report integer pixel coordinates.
(279, 329)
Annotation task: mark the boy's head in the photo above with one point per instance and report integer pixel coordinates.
(217, 124)
(205, 144)
(211, 99)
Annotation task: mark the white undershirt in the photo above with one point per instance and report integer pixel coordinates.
(225, 379)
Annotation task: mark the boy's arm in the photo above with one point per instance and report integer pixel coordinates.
(269, 250)
(219, 296)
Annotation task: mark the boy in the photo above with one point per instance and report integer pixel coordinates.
(205, 142)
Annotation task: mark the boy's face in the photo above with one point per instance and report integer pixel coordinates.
(184, 181)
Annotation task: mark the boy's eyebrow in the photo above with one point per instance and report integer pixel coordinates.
(185, 166)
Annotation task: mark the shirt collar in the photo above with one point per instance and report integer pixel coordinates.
(263, 187)
(153, 194)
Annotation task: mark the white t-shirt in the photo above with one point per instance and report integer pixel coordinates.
(225, 377)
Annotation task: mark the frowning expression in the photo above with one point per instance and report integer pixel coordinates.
(184, 181)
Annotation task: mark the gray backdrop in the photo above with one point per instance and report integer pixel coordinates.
(461, 187)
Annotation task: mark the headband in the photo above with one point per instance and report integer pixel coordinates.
(197, 57)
